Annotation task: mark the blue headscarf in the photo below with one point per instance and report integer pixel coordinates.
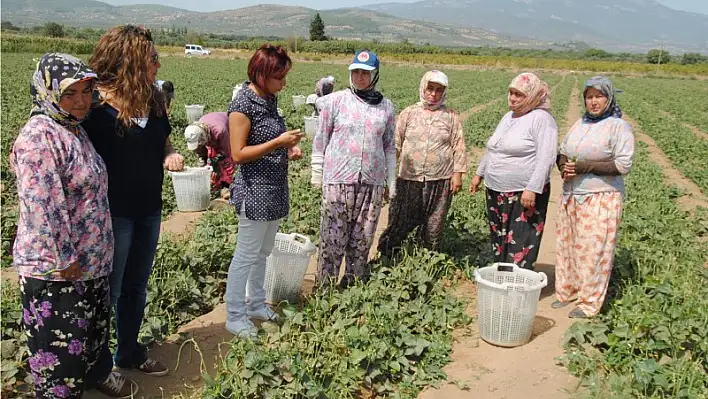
(603, 84)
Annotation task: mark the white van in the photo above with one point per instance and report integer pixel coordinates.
(194, 49)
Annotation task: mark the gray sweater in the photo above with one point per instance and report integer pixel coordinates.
(520, 153)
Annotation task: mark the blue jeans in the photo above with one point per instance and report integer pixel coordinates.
(135, 247)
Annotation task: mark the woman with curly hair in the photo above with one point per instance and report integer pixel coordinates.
(130, 129)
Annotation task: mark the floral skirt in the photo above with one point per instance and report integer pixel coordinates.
(587, 229)
(350, 214)
(516, 232)
(223, 169)
(66, 324)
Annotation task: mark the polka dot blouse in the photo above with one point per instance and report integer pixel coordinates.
(261, 185)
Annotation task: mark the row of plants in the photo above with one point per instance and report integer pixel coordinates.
(390, 337)
(678, 142)
(673, 96)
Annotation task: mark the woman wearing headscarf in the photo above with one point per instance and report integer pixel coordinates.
(354, 163)
(431, 147)
(324, 87)
(593, 158)
(209, 139)
(64, 242)
(516, 172)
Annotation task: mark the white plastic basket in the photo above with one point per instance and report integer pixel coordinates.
(286, 267)
(298, 101)
(311, 125)
(507, 301)
(194, 112)
(192, 188)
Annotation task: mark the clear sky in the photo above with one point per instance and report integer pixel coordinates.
(700, 6)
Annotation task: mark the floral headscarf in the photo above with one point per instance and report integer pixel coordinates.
(538, 96)
(55, 72)
(436, 77)
(603, 84)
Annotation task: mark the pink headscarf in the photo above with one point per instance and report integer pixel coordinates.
(538, 96)
(435, 77)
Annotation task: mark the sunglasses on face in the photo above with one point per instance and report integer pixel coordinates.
(155, 58)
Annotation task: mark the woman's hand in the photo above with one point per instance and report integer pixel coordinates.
(474, 184)
(389, 193)
(456, 182)
(290, 139)
(174, 162)
(528, 199)
(294, 153)
(72, 272)
(568, 172)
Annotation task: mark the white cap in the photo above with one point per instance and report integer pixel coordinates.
(195, 136)
(311, 99)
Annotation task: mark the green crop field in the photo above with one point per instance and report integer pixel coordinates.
(392, 336)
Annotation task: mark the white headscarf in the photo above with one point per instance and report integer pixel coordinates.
(434, 76)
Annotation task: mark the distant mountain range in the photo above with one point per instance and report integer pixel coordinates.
(622, 25)
(609, 24)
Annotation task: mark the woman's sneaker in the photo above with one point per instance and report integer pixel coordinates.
(242, 329)
(117, 386)
(263, 314)
(153, 367)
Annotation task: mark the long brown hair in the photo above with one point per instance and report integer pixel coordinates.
(121, 60)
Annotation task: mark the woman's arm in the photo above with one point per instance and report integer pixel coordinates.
(623, 150)
(173, 161)
(622, 156)
(482, 167)
(321, 140)
(37, 161)
(459, 148)
(240, 128)
(401, 126)
(546, 139)
(389, 144)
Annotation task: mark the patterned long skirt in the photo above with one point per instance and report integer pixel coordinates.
(223, 169)
(350, 214)
(417, 204)
(585, 250)
(516, 232)
(66, 324)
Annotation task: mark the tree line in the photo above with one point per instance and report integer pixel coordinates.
(320, 43)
